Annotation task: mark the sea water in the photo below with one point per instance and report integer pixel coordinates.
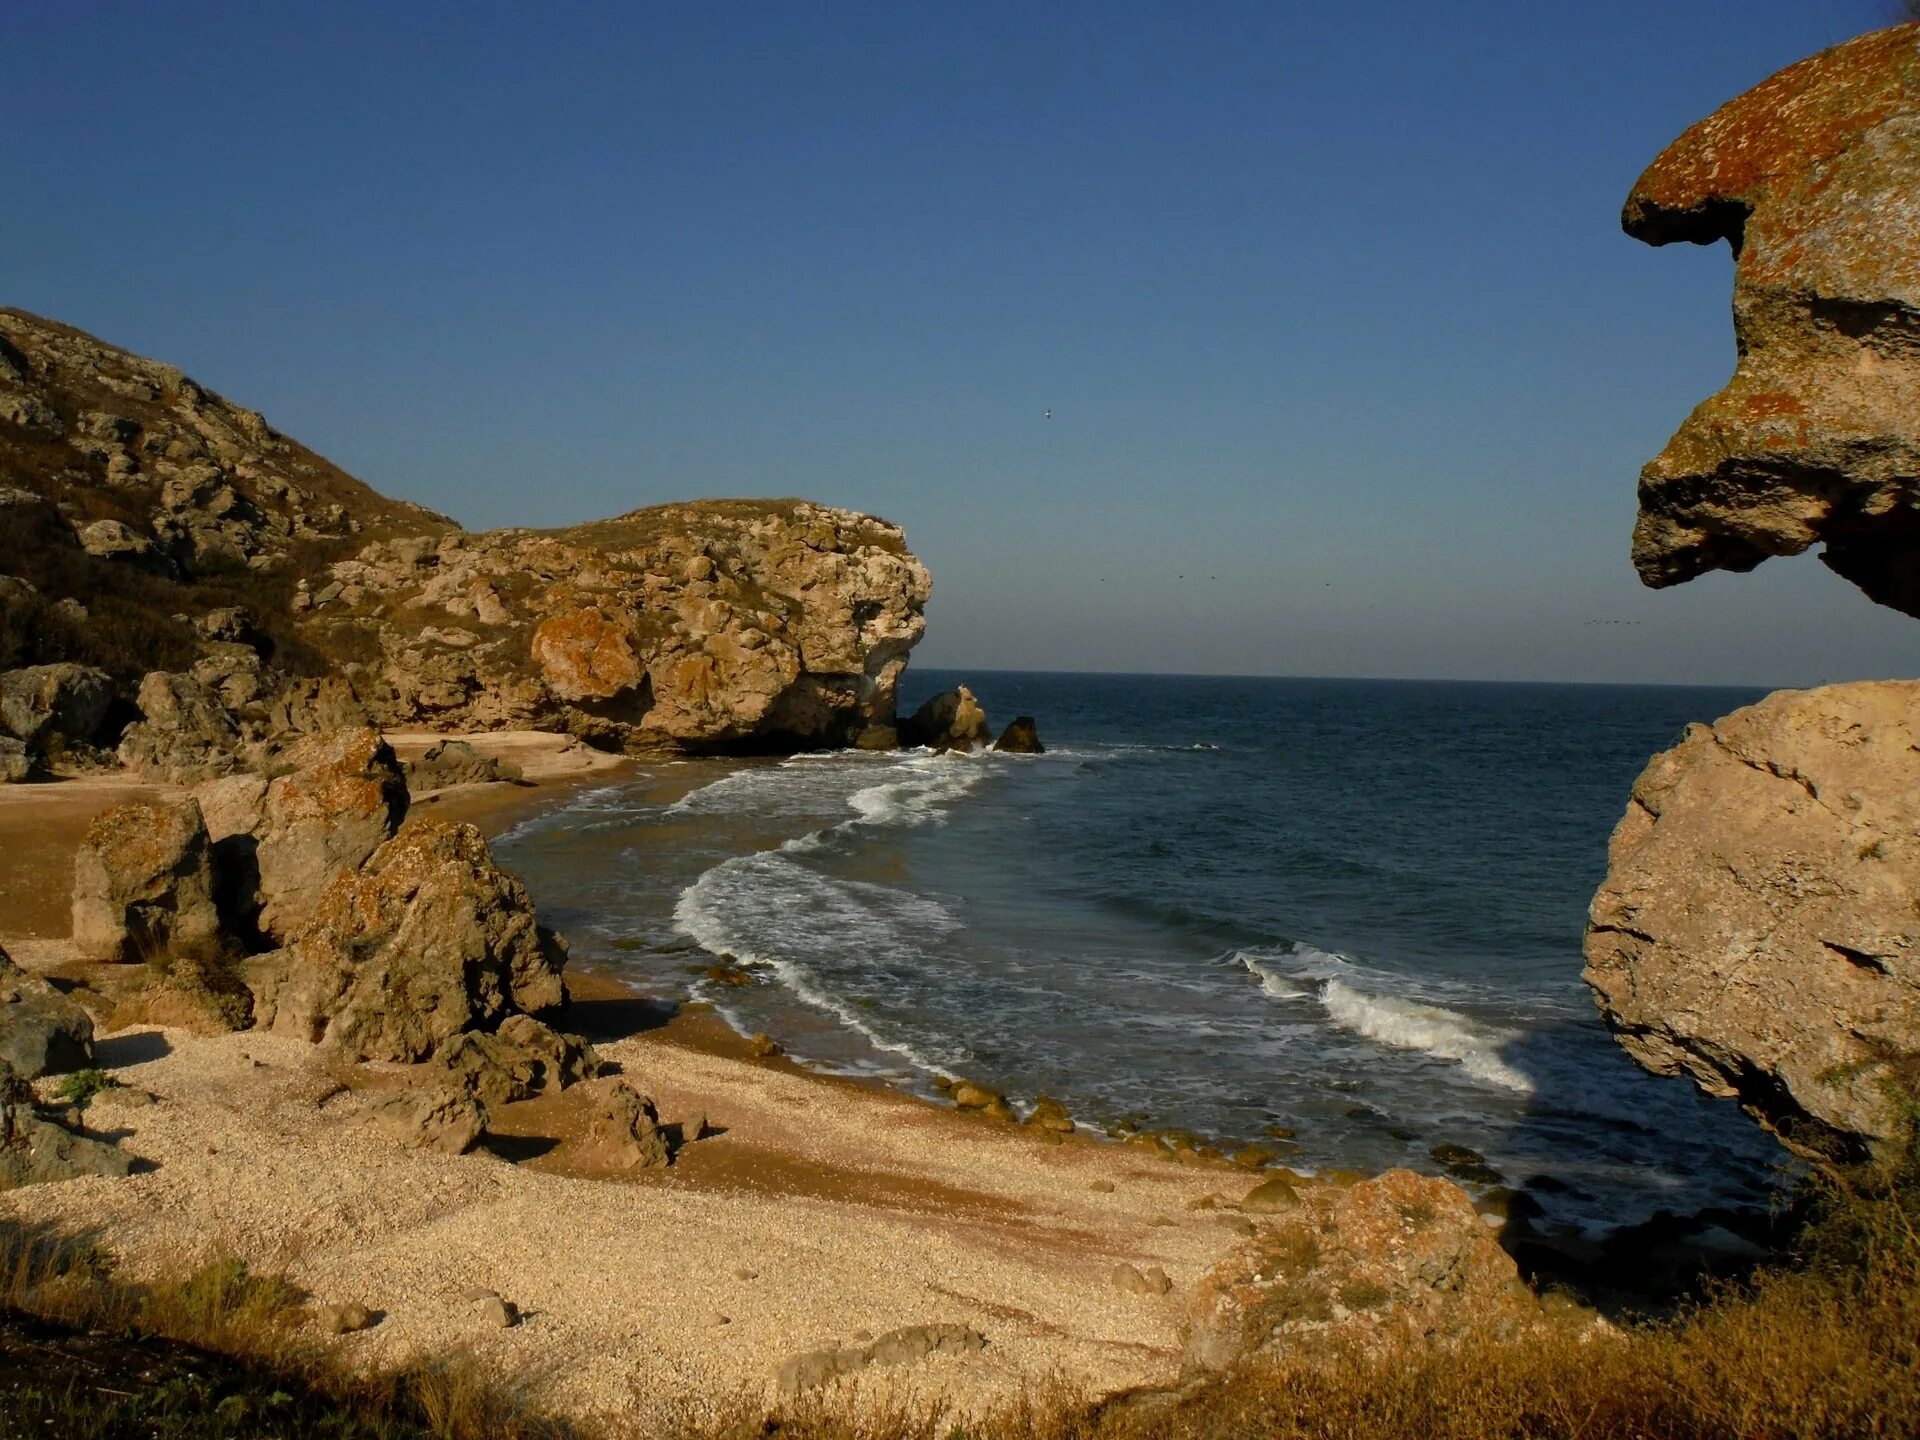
(1350, 909)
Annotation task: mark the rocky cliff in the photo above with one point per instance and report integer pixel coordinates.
(1813, 178)
(150, 527)
(1757, 928)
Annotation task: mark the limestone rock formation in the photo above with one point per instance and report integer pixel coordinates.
(951, 720)
(1757, 928)
(624, 1133)
(279, 843)
(42, 1032)
(18, 764)
(1400, 1252)
(1813, 177)
(522, 1059)
(443, 1119)
(455, 762)
(186, 733)
(41, 702)
(428, 939)
(143, 883)
(712, 625)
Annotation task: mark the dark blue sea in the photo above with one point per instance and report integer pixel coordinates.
(1348, 908)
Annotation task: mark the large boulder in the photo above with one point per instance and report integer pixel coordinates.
(1401, 1254)
(185, 735)
(522, 1059)
(1813, 177)
(279, 843)
(143, 883)
(44, 701)
(951, 720)
(429, 939)
(42, 1032)
(1757, 928)
(36, 1151)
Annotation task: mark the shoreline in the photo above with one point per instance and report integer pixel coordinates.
(821, 1208)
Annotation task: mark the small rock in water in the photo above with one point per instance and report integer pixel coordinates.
(763, 1047)
(1050, 1115)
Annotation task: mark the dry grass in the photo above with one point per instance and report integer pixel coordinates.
(1828, 1347)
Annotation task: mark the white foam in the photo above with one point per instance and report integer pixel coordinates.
(1433, 1029)
(1362, 1003)
(766, 909)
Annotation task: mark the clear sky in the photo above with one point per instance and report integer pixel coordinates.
(1350, 366)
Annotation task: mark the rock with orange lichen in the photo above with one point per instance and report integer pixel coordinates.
(428, 939)
(143, 883)
(1813, 177)
(1402, 1254)
(279, 843)
(583, 655)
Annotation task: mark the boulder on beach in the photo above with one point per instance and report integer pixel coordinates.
(42, 1032)
(143, 883)
(43, 703)
(455, 762)
(35, 1150)
(279, 843)
(185, 734)
(624, 1133)
(428, 939)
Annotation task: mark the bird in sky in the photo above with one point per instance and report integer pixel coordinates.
(1049, 412)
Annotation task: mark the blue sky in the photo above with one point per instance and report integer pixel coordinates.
(1352, 370)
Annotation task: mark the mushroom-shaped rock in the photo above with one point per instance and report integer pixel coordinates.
(1756, 929)
(143, 883)
(1813, 176)
(430, 938)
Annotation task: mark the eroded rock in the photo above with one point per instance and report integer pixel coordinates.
(1756, 929)
(429, 939)
(65, 700)
(1813, 177)
(143, 883)
(1399, 1253)
(951, 720)
(35, 1150)
(42, 1032)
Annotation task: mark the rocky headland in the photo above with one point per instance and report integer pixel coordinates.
(1757, 928)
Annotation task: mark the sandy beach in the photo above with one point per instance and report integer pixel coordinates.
(821, 1212)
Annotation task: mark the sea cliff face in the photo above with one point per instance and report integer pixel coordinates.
(1756, 929)
(148, 526)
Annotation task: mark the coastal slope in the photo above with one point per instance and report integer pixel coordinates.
(137, 505)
